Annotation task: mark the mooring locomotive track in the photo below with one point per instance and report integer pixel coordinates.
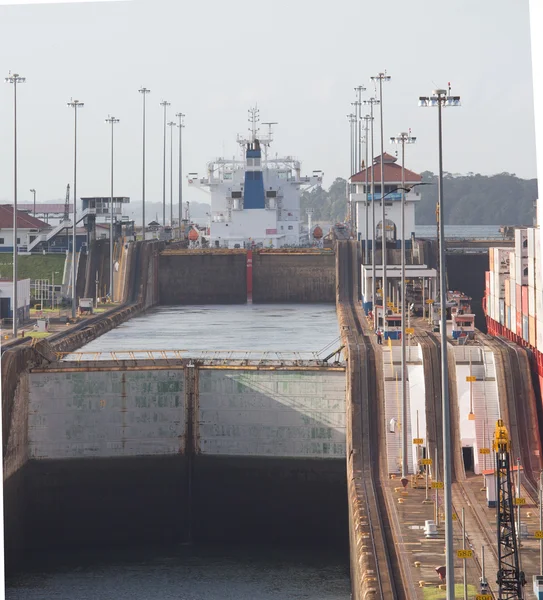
(367, 425)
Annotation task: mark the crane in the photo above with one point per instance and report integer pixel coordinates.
(67, 204)
(510, 578)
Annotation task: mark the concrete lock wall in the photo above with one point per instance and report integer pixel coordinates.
(294, 277)
(106, 414)
(191, 278)
(272, 413)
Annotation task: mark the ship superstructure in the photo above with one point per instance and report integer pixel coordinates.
(255, 199)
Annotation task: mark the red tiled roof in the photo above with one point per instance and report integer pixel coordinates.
(24, 220)
(393, 172)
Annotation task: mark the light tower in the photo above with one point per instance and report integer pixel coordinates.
(373, 102)
(181, 126)
(75, 104)
(143, 91)
(441, 99)
(380, 78)
(403, 138)
(171, 125)
(112, 121)
(164, 105)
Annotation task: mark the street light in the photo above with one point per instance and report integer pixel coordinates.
(112, 121)
(442, 98)
(165, 105)
(34, 211)
(380, 78)
(358, 104)
(143, 91)
(14, 78)
(403, 138)
(373, 102)
(75, 104)
(181, 125)
(352, 123)
(366, 119)
(171, 125)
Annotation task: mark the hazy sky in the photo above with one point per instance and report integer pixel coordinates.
(298, 59)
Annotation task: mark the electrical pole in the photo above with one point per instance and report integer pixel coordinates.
(112, 121)
(180, 125)
(143, 91)
(165, 105)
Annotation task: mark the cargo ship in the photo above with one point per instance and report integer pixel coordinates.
(514, 281)
(255, 199)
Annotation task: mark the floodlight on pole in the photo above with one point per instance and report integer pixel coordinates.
(34, 193)
(441, 99)
(171, 125)
(352, 123)
(112, 121)
(358, 104)
(143, 91)
(181, 126)
(75, 104)
(380, 78)
(366, 119)
(373, 102)
(164, 105)
(14, 78)
(403, 139)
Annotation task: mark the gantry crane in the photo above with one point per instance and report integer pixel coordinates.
(510, 578)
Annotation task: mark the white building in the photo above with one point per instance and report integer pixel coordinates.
(393, 196)
(28, 228)
(23, 299)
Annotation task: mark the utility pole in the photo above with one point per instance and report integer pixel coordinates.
(171, 125)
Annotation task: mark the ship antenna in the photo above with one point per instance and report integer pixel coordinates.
(267, 141)
(254, 118)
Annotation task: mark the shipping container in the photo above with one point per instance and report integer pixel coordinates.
(531, 242)
(524, 305)
(501, 261)
(532, 339)
(512, 265)
(491, 259)
(508, 318)
(507, 292)
(539, 304)
(539, 334)
(519, 323)
(521, 270)
(487, 283)
(518, 298)
(521, 242)
(502, 311)
(525, 329)
(531, 302)
(531, 271)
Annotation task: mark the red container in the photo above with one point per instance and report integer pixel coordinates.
(518, 303)
(487, 283)
(524, 300)
(519, 323)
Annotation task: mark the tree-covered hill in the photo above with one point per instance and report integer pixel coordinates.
(472, 199)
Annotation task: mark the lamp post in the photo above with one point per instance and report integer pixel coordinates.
(442, 98)
(111, 121)
(165, 105)
(143, 91)
(181, 125)
(34, 193)
(367, 120)
(358, 104)
(352, 123)
(171, 125)
(403, 138)
(380, 78)
(14, 78)
(75, 104)
(373, 102)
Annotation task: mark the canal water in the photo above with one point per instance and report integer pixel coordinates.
(186, 573)
(301, 328)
